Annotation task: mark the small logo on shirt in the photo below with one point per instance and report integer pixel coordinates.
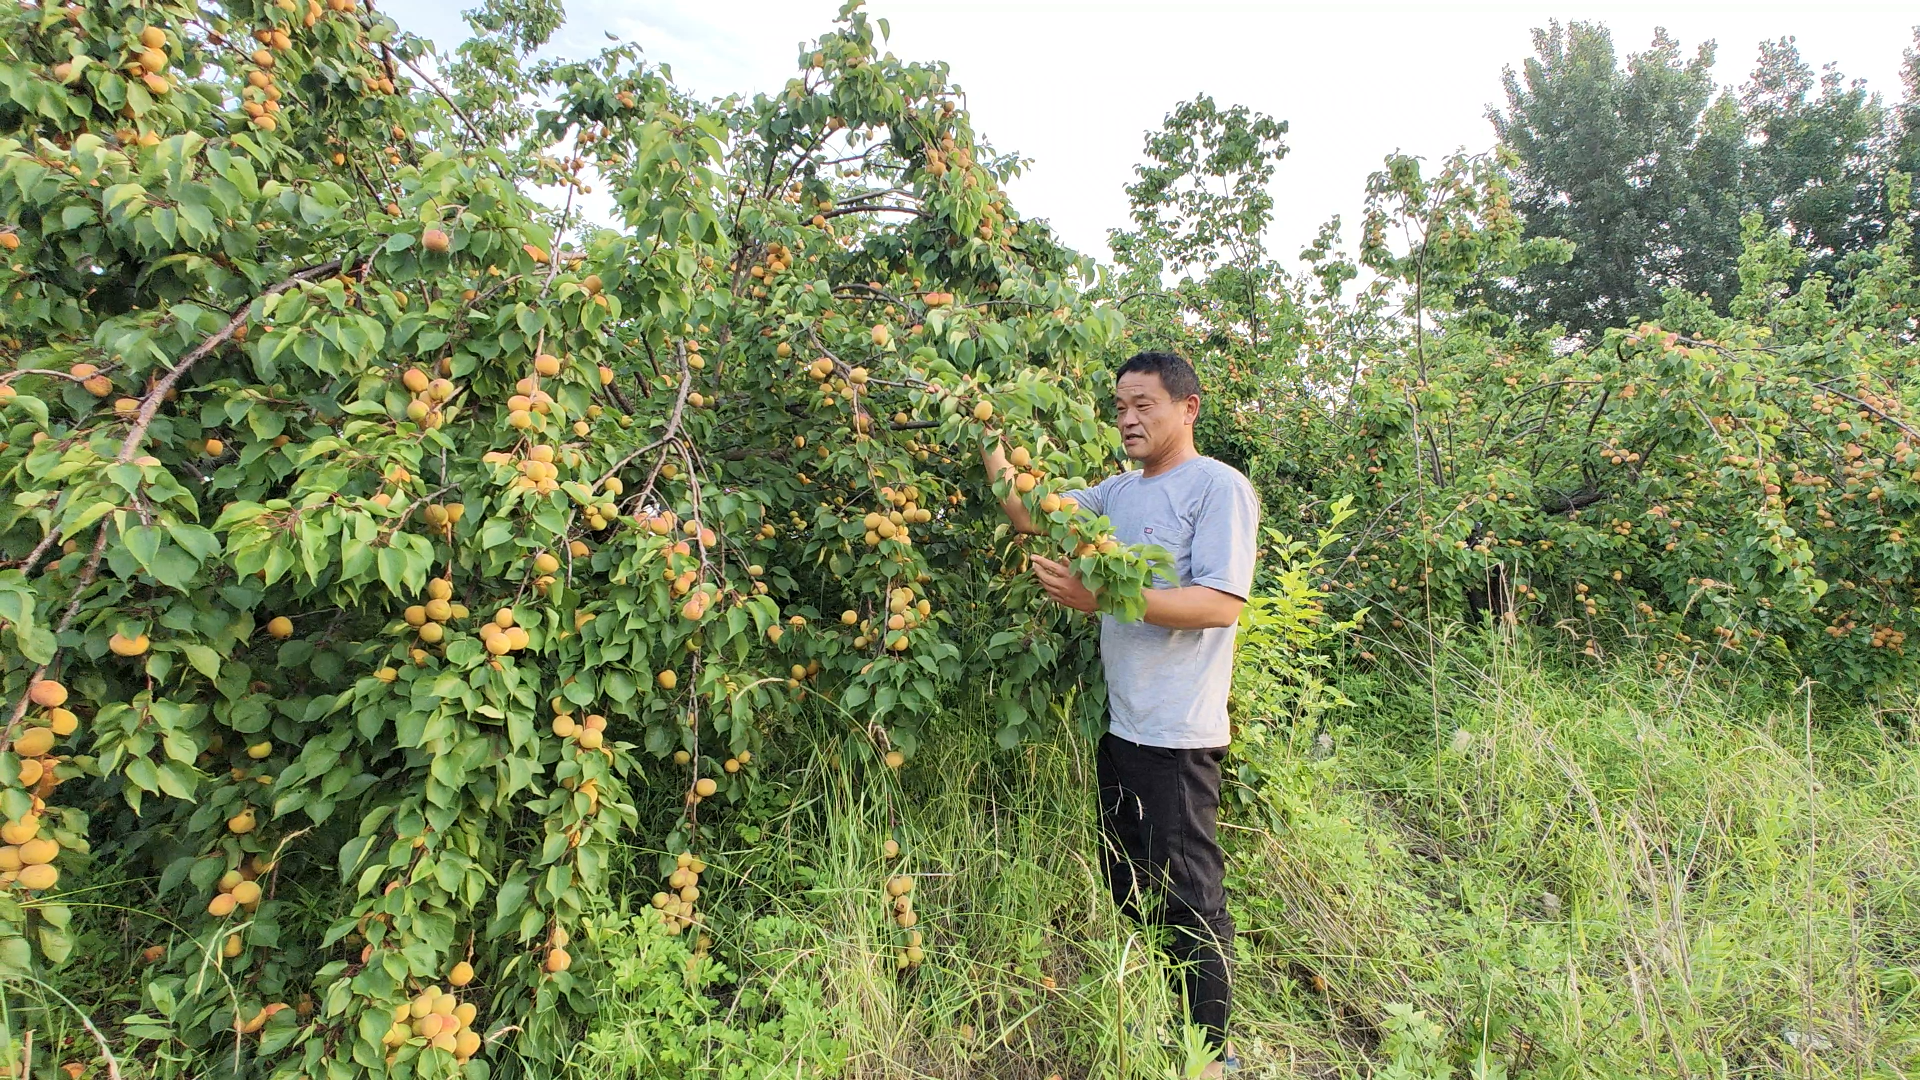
(1149, 530)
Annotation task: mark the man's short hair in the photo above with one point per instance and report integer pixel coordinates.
(1175, 373)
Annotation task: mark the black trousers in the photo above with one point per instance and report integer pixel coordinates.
(1165, 866)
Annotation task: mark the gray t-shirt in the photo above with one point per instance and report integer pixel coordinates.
(1168, 688)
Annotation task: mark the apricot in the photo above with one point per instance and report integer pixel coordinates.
(280, 627)
(20, 831)
(33, 742)
(47, 694)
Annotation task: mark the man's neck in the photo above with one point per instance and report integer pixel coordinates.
(1171, 460)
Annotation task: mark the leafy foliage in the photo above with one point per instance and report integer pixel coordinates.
(1719, 485)
(393, 542)
(1648, 170)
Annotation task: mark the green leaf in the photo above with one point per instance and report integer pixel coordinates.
(203, 659)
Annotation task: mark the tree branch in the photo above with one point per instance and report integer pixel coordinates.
(150, 404)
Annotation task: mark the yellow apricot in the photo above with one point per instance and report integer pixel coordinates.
(34, 742)
(121, 645)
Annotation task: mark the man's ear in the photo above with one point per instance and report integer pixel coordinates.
(1193, 408)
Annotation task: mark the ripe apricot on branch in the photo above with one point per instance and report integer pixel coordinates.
(280, 627)
(33, 742)
(121, 645)
(48, 694)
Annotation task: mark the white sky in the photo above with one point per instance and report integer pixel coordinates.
(1074, 86)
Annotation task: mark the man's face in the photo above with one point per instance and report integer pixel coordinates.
(1150, 420)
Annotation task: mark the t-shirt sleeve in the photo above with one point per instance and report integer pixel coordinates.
(1093, 499)
(1226, 537)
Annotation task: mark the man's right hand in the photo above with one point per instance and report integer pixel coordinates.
(994, 456)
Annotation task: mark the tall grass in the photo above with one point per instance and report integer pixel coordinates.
(1500, 867)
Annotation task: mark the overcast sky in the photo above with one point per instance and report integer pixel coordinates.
(1074, 86)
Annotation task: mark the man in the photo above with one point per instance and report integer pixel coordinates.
(1159, 763)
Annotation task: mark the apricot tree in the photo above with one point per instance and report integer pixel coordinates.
(385, 536)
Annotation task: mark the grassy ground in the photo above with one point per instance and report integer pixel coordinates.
(1507, 868)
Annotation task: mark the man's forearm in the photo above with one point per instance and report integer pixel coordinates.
(994, 457)
(1193, 607)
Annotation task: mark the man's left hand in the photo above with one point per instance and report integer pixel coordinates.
(1062, 586)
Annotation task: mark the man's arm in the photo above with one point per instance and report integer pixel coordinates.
(994, 456)
(1191, 607)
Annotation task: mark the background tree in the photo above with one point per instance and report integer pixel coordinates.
(1195, 275)
(1605, 158)
(1647, 169)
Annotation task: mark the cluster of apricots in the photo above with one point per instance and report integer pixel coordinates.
(501, 635)
(439, 1019)
(27, 857)
(778, 259)
(430, 397)
(899, 889)
(590, 731)
(539, 470)
(429, 620)
(239, 889)
(676, 903)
